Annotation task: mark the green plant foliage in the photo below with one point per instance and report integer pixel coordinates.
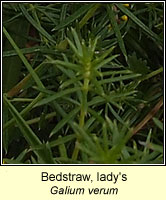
(138, 65)
(88, 83)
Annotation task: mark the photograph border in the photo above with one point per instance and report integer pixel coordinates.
(2, 164)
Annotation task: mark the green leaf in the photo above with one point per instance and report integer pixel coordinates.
(22, 155)
(11, 161)
(116, 115)
(37, 49)
(62, 140)
(89, 14)
(62, 149)
(71, 18)
(67, 118)
(24, 60)
(77, 42)
(138, 22)
(69, 65)
(116, 30)
(70, 81)
(35, 24)
(74, 48)
(158, 123)
(105, 61)
(137, 65)
(24, 111)
(120, 78)
(56, 96)
(27, 132)
(155, 147)
(80, 132)
(104, 55)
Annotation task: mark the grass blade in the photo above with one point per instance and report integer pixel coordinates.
(138, 22)
(88, 15)
(24, 60)
(116, 30)
(30, 50)
(23, 112)
(74, 16)
(35, 24)
(27, 132)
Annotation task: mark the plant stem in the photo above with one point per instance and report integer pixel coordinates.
(84, 102)
(83, 113)
(154, 73)
(37, 119)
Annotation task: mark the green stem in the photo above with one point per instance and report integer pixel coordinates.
(21, 100)
(83, 113)
(84, 102)
(154, 73)
(37, 119)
